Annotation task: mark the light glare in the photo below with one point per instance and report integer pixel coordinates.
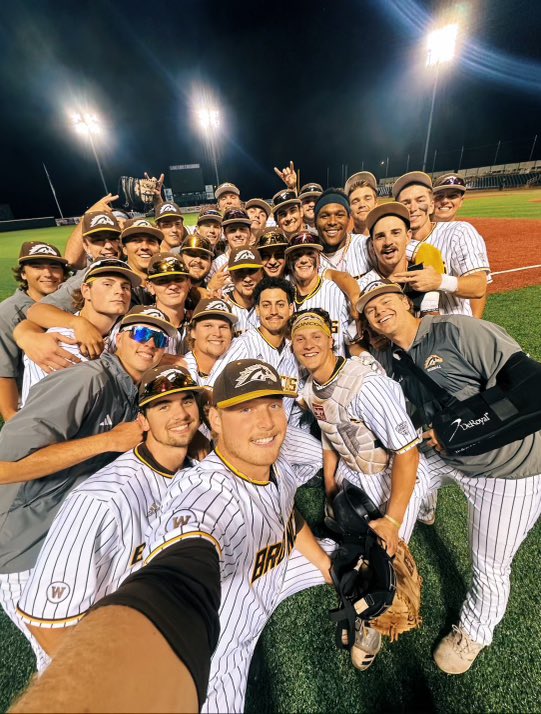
(441, 45)
(208, 118)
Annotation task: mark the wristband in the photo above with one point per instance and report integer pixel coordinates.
(395, 523)
(449, 283)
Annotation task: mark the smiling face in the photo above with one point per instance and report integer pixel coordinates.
(173, 231)
(104, 244)
(332, 224)
(211, 230)
(172, 421)
(137, 357)
(290, 219)
(446, 203)
(420, 203)
(43, 277)
(170, 291)
(274, 261)
(258, 217)
(386, 314)
(274, 311)
(304, 264)
(245, 280)
(251, 433)
(362, 200)
(389, 240)
(237, 235)
(313, 348)
(308, 205)
(108, 295)
(212, 336)
(228, 200)
(139, 250)
(197, 263)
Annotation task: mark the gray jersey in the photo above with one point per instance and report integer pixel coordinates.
(95, 541)
(464, 355)
(12, 311)
(79, 401)
(63, 297)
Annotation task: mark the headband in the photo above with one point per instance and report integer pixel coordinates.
(313, 320)
(332, 198)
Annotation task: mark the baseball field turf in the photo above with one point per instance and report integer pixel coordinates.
(297, 667)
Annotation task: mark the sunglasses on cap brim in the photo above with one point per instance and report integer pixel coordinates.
(143, 334)
(452, 181)
(162, 386)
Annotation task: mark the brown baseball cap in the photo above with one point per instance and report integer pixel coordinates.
(140, 227)
(141, 315)
(246, 379)
(285, 198)
(367, 176)
(164, 264)
(310, 190)
(96, 221)
(452, 181)
(35, 250)
(210, 214)
(167, 209)
(244, 257)
(376, 288)
(392, 208)
(419, 178)
(259, 203)
(197, 244)
(236, 215)
(226, 188)
(112, 266)
(163, 380)
(270, 238)
(304, 240)
(216, 308)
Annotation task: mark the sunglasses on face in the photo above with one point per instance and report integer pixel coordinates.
(145, 334)
(166, 280)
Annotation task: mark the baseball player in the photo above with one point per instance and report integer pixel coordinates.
(287, 212)
(362, 192)
(271, 246)
(76, 410)
(246, 270)
(41, 269)
(462, 248)
(140, 242)
(236, 225)
(308, 196)
(449, 191)
(240, 501)
(106, 295)
(259, 212)
(170, 283)
(170, 221)
(341, 251)
(97, 537)
(209, 226)
(227, 196)
(196, 253)
(82, 250)
(502, 486)
(311, 290)
(211, 334)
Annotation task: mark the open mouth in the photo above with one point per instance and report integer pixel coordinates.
(264, 441)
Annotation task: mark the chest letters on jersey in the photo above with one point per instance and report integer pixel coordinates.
(137, 555)
(271, 556)
(289, 384)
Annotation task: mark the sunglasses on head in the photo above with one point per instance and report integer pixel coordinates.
(453, 181)
(144, 334)
(163, 385)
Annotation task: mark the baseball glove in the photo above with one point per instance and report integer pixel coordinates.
(404, 613)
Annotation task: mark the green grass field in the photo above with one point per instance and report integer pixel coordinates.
(503, 204)
(297, 667)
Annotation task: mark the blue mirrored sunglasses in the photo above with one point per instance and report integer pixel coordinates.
(145, 334)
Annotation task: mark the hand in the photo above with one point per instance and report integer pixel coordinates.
(421, 280)
(288, 175)
(219, 281)
(388, 533)
(158, 189)
(45, 350)
(377, 342)
(125, 436)
(432, 439)
(89, 338)
(104, 204)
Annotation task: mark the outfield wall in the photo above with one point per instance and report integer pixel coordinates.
(24, 224)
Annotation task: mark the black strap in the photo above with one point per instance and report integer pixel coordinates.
(406, 365)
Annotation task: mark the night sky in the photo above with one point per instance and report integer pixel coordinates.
(323, 83)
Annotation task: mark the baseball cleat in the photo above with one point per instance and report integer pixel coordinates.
(456, 652)
(366, 647)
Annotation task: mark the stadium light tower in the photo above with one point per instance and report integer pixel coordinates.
(440, 49)
(89, 125)
(208, 118)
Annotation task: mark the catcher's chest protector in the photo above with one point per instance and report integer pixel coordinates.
(350, 438)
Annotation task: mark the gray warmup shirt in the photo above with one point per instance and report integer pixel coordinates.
(12, 311)
(87, 399)
(464, 355)
(63, 297)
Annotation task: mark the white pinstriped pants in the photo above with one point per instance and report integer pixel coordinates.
(501, 512)
(11, 589)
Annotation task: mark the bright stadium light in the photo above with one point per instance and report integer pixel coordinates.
(89, 125)
(441, 46)
(208, 118)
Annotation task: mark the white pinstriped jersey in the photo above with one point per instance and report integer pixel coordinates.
(251, 344)
(247, 318)
(253, 529)
(464, 252)
(352, 258)
(218, 263)
(429, 303)
(204, 380)
(95, 541)
(328, 296)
